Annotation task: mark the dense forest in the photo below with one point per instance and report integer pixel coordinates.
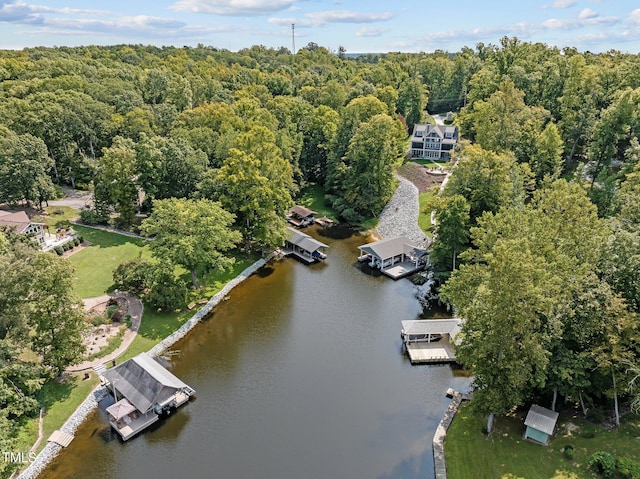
(540, 220)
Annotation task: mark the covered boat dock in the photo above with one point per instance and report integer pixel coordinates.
(396, 257)
(303, 246)
(430, 340)
(143, 390)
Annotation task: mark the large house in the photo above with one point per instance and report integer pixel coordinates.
(433, 141)
(20, 222)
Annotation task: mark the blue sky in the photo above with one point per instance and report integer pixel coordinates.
(359, 26)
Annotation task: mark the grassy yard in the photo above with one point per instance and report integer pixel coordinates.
(60, 399)
(424, 219)
(56, 214)
(313, 198)
(430, 163)
(504, 454)
(95, 264)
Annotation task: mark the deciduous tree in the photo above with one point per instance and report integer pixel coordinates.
(195, 234)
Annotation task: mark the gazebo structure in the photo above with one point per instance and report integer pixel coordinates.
(541, 423)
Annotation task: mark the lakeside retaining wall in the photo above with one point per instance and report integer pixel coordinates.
(439, 464)
(51, 450)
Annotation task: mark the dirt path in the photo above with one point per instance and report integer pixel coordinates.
(135, 309)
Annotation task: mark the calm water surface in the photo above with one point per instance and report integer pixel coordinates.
(300, 374)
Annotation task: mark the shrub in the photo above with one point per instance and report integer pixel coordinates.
(595, 415)
(628, 468)
(166, 292)
(58, 250)
(569, 452)
(76, 241)
(93, 217)
(67, 246)
(81, 239)
(97, 320)
(111, 311)
(132, 275)
(603, 463)
(351, 216)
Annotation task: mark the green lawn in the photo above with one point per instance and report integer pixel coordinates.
(313, 198)
(424, 219)
(430, 163)
(504, 454)
(60, 399)
(95, 264)
(56, 214)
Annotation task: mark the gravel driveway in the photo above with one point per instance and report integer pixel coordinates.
(400, 216)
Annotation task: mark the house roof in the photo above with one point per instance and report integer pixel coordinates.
(143, 381)
(301, 211)
(303, 240)
(432, 326)
(440, 130)
(542, 419)
(390, 247)
(15, 219)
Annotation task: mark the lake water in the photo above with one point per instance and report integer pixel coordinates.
(300, 374)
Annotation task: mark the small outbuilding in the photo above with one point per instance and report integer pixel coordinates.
(540, 423)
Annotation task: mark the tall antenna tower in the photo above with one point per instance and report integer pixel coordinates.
(293, 38)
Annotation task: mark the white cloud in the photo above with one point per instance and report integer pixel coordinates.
(634, 17)
(371, 32)
(318, 19)
(345, 16)
(238, 8)
(561, 4)
(587, 13)
(21, 12)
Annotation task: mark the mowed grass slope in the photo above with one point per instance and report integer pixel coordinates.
(505, 454)
(96, 263)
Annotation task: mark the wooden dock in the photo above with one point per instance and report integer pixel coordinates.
(430, 341)
(400, 270)
(431, 353)
(61, 438)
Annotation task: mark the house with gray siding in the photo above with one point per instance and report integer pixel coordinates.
(434, 142)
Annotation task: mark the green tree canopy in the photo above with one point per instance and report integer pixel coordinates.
(194, 234)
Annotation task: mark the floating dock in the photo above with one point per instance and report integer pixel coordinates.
(430, 341)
